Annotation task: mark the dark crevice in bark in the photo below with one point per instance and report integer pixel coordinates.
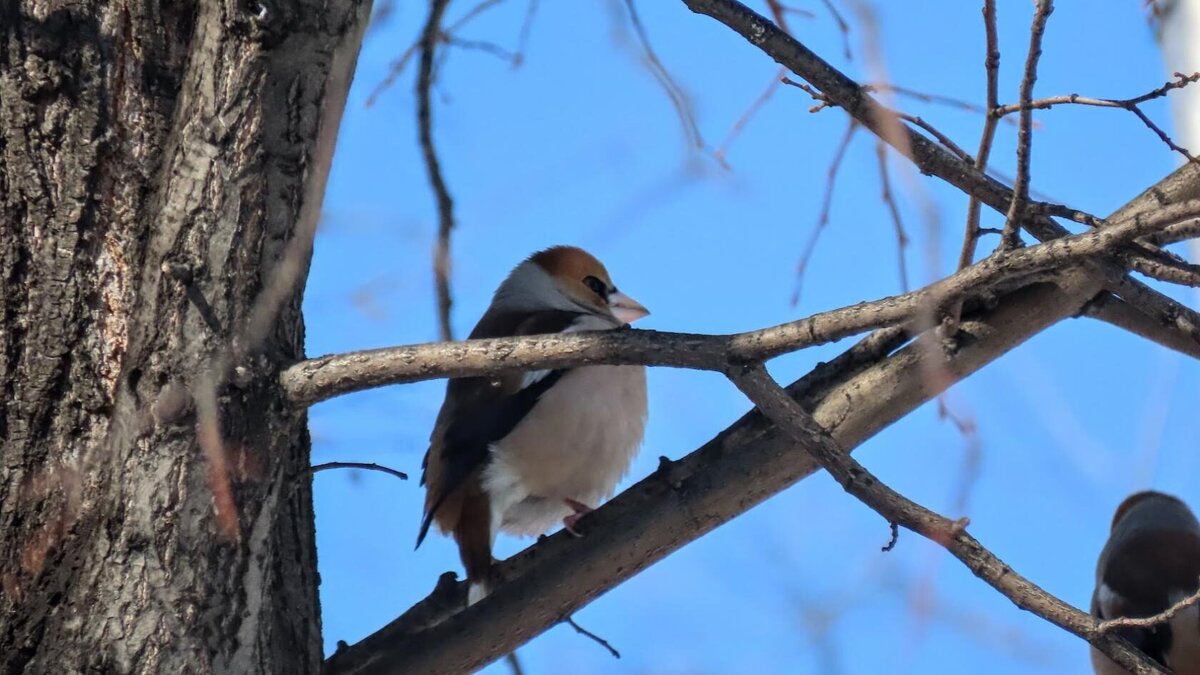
(133, 133)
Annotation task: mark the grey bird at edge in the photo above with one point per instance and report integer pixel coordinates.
(1151, 562)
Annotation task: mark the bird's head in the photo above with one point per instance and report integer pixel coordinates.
(567, 278)
(1150, 506)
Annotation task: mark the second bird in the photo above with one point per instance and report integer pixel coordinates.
(524, 451)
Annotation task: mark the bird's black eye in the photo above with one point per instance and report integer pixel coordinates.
(598, 287)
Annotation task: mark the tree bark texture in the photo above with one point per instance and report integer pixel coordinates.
(158, 161)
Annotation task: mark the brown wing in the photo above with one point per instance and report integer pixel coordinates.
(477, 412)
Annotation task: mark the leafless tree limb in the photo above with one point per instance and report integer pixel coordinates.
(843, 27)
(775, 403)
(398, 65)
(1130, 104)
(523, 46)
(831, 175)
(1012, 223)
(318, 379)
(930, 158)
(366, 466)
(1150, 621)
(1121, 314)
(570, 621)
(889, 200)
(739, 125)
(678, 98)
(992, 67)
(430, 37)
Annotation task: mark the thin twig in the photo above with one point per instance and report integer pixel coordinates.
(824, 102)
(570, 621)
(991, 64)
(1179, 82)
(1012, 223)
(890, 200)
(514, 663)
(430, 37)
(683, 107)
(368, 466)
(740, 124)
(843, 28)
(398, 65)
(1150, 621)
(936, 133)
(886, 548)
(1130, 104)
(972, 455)
(519, 57)
(482, 46)
(779, 12)
(826, 205)
(930, 98)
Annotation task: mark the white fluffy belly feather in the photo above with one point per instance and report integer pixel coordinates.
(577, 443)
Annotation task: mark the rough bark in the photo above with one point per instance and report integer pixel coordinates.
(135, 135)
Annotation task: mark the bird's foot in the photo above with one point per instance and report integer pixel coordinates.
(580, 510)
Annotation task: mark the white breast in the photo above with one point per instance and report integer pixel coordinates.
(576, 443)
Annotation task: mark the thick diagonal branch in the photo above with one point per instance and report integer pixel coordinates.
(793, 420)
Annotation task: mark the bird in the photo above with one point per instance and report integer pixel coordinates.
(1150, 562)
(524, 451)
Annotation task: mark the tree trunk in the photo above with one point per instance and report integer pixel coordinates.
(161, 165)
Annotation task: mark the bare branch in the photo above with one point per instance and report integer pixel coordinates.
(890, 200)
(738, 126)
(843, 27)
(398, 66)
(317, 379)
(678, 98)
(826, 204)
(430, 37)
(793, 420)
(1151, 621)
(1130, 104)
(1179, 82)
(932, 159)
(514, 664)
(570, 621)
(367, 466)
(991, 64)
(1122, 315)
(1012, 223)
(519, 55)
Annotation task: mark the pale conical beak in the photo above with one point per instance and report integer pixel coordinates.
(625, 308)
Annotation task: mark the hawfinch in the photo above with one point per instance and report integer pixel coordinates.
(1151, 561)
(521, 452)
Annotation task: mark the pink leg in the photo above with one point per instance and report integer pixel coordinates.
(580, 510)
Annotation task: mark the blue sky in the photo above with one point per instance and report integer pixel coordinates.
(581, 145)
